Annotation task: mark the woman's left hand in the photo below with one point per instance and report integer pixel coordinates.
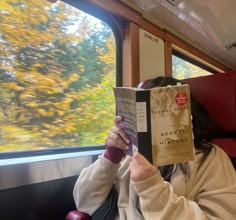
(140, 168)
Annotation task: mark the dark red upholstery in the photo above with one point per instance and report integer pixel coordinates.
(218, 94)
(227, 144)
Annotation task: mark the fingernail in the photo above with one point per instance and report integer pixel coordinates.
(118, 117)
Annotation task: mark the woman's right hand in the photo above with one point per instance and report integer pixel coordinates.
(117, 138)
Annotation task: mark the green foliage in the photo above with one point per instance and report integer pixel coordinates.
(182, 69)
(96, 111)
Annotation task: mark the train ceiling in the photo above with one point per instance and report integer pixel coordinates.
(205, 24)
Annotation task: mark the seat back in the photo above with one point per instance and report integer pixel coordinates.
(229, 146)
(217, 93)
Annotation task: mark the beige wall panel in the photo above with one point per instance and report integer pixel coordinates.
(152, 57)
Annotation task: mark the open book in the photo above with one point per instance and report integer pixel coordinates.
(157, 122)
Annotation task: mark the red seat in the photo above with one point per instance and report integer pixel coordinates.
(227, 144)
(217, 93)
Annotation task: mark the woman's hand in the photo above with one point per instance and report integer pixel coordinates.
(116, 142)
(117, 137)
(140, 168)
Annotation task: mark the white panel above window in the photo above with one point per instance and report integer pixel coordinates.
(152, 56)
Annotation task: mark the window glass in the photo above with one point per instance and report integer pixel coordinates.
(57, 70)
(182, 69)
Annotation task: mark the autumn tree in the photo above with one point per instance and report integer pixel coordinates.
(45, 66)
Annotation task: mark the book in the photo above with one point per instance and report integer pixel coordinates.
(157, 122)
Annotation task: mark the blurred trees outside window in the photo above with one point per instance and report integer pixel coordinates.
(182, 69)
(57, 71)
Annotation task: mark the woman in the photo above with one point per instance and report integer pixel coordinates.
(201, 189)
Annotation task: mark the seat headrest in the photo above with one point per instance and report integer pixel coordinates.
(217, 93)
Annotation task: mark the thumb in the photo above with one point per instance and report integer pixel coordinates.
(117, 121)
(139, 159)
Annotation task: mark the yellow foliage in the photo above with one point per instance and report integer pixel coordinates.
(26, 95)
(43, 19)
(69, 117)
(42, 112)
(179, 76)
(60, 113)
(109, 58)
(32, 104)
(12, 86)
(19, 135)
(47, 125)
(73, 77)
(44, 79)
(50, 113)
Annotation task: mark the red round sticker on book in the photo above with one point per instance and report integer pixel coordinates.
(181, 98)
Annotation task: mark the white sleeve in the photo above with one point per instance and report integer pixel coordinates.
(215, 185)
(94, 184)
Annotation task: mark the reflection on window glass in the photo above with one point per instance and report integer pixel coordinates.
(182, 69)
(57, 70)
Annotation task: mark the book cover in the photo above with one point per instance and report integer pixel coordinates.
(133, 105)
(158, 122)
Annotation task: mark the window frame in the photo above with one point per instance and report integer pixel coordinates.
(193, 61)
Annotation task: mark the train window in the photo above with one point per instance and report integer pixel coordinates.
(184, 67)
(57, 71)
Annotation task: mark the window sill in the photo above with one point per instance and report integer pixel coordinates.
(36, 169)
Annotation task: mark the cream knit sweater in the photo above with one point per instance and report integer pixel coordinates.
(208, 193)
